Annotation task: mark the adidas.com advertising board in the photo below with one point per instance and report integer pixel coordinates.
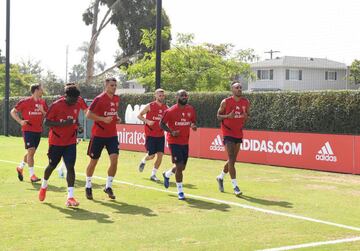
(326, 152)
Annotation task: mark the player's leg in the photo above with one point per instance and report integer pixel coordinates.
(69, 158)
(174, 156)
(112, 147)
(160, 146)
(54, 154)
(95, 147)
(150, 148)
(232, 149)
(34, 143)
(180, 167)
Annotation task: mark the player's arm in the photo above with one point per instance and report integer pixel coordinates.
(91, 115)
(167, 129)
(142, 113)
(14, 114)
(220, 113)
(52, 123)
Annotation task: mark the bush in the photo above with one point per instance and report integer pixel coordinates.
(336, 112)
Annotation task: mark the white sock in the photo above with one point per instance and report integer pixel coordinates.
(109, 181)
(88, 182)
(31, 171)
(22, 164)
(70, 192)
(234, 183)
(168, 173)
(144, 160)
(222, 175)
(44, 183)
(62, 166)
(179, 187)
(153, 171)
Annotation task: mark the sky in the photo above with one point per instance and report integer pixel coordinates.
(42, 29)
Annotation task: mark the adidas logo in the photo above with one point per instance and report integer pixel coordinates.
(326, 153)
(217, 144)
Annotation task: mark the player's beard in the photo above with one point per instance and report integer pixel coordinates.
(182, 102)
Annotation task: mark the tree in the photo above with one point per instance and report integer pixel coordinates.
(355, 72)
(19, 82)
(32, 67)
(129, 17)
(247, 56)
(78, 72)
(52, 85)
(205, 67)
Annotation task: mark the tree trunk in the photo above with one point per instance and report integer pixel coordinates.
(92, 45)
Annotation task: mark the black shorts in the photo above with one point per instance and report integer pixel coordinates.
(179, 153)
(154, 145)
(97, 144)
(228, 139)
(68, 153)
(31, 139)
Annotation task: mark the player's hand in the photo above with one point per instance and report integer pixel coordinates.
(68, 122)
(118, 120)
(175, 133)
(150, 122)
(41, 109)
(107, 120)
(231, 115)
(80, 129)
(24, 122)
(193, 127)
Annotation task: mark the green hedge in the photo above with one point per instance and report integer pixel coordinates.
(335, 112)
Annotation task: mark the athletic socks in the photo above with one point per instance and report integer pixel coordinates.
(88, 182)
(168, 173)
(234, 183)
(222, 175)
(153, 171)
(109, 181)
(179, 187)
(31, 171)
(70, 192)
(22, 164)
(44, 183)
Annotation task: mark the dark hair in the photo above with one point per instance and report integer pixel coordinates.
(34, 87)
(235, 82)
(72, 92)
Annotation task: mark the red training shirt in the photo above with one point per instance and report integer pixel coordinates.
(105, 106)
(233, 127)
(29, 109)
(60, 111)
(179, 119)
(155, 114)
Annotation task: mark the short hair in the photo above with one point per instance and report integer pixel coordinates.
(34, 87)
(235, 82)
(159, 90)
(70, 84)
(72, 92)
(110, 79)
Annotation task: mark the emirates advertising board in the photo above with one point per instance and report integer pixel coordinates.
(325, 152)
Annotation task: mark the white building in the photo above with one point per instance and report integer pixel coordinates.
(298, 73)
(131, 86)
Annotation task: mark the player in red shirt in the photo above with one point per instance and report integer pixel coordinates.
(83, 106)
(62, 118)
(104, 112)
(177, 121)
(233, 113)
(32, 110)
(155, 140)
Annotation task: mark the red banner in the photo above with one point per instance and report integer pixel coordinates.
(326, 152)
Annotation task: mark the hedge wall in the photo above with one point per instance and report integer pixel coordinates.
(323, 112)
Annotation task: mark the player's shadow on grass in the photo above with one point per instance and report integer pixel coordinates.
(81, 214)
(172, 184)
(36, 187)
(205, 205)
(267, 202)
(124, 208)
(81, 184)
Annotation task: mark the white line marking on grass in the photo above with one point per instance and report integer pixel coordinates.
(267, 211)
(313, 244)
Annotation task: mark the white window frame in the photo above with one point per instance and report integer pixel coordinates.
(334, 75)
(297, 72)
(268, 71)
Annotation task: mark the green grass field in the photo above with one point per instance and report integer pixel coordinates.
(145, 216)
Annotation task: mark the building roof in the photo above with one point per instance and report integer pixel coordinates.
(300, 62)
